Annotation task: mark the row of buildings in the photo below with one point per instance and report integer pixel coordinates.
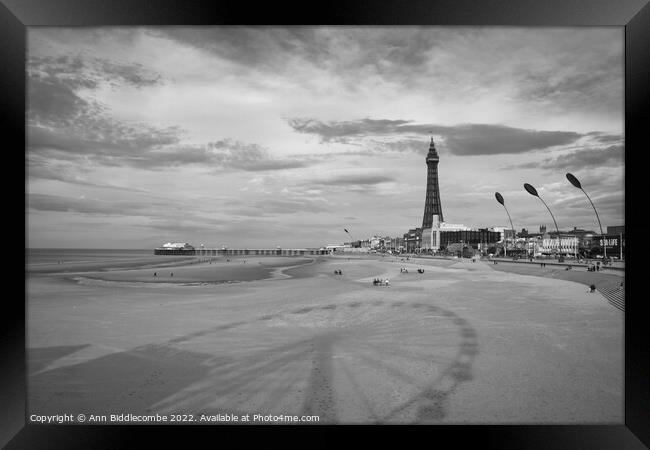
(456, 238)
(577, 242)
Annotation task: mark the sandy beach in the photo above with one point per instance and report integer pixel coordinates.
(459, 343)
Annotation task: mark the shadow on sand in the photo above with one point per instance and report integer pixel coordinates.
(41, 357)
(282, 377)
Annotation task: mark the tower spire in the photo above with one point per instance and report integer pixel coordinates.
(432, 205)
(432, 150)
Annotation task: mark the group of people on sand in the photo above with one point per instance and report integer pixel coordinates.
(171, 274)
(405, 270)
(338, 272)
(594, 267)
(380, 282)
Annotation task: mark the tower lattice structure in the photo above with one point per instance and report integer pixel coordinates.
(432, 205)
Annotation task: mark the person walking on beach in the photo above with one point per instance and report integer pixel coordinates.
(155, 274)
(171, 274)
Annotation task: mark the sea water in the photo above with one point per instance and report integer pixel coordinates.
(38, 256)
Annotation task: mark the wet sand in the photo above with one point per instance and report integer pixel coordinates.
(460, 343)
(214, 271)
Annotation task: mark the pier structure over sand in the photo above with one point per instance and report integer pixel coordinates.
(241, 252)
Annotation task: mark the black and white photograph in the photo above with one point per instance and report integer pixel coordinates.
(288, 225)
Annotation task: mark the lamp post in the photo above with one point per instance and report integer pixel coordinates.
(499, 198)
(532, 191)
(574, 181)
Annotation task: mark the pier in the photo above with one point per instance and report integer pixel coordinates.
(241, 252)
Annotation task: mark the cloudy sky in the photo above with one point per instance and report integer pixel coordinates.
(270, 136)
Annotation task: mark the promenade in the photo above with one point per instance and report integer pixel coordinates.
(607, 280)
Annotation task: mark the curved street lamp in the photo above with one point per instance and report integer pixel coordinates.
(499, 198)
(532, 191)
(574, 181)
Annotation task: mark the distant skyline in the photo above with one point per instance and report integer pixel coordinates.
(265, 136)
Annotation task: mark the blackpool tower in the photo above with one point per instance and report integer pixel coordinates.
(432, 206)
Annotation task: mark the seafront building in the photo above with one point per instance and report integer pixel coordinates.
(175, 248)
(577, 242)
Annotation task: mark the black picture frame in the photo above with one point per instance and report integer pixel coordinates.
(634, 15)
